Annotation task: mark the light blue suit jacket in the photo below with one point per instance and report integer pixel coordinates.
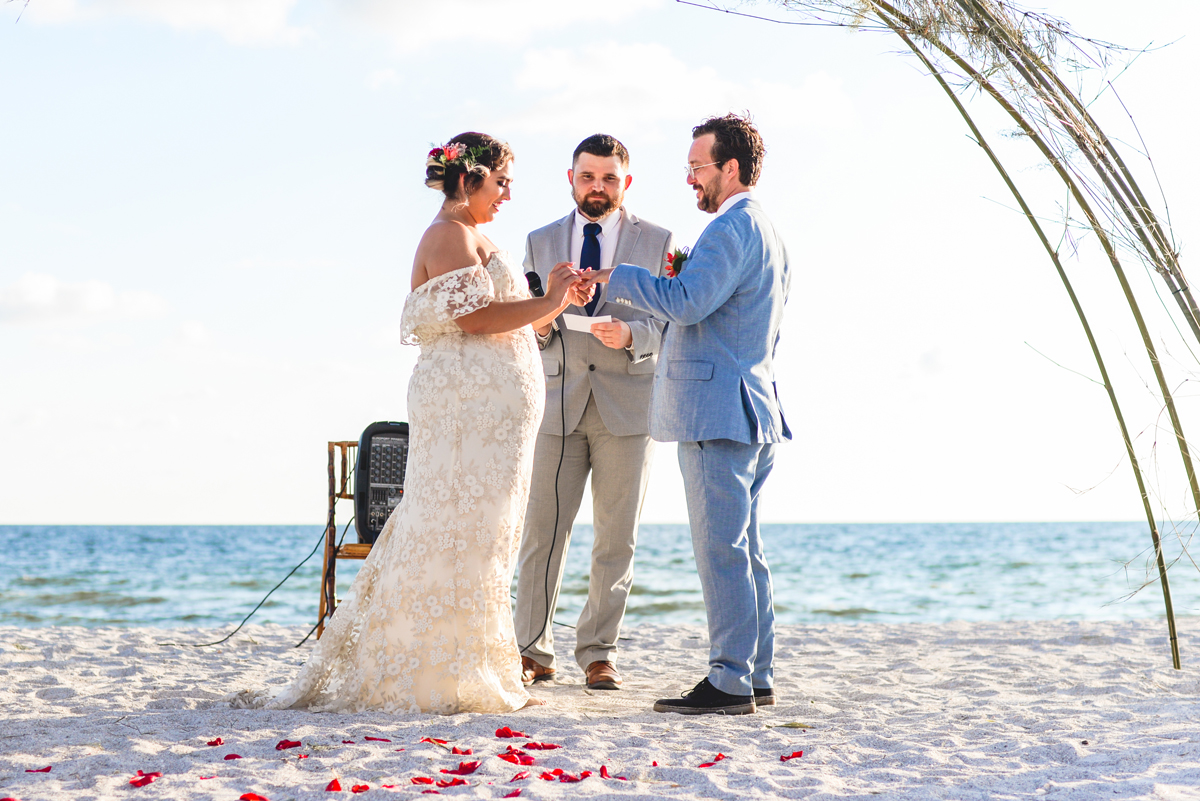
(715, 377)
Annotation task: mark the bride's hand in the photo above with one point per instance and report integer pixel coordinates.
(580, 295)
(562, 278)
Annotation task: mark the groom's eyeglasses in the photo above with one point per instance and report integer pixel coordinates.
(692, 170)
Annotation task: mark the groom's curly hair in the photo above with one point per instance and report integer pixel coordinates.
(736, 138)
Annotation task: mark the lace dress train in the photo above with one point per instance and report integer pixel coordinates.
(427, 624)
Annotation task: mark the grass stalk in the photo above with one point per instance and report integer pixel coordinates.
(896, 27)
(1099, 149)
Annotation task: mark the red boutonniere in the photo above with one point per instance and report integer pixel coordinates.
(675, 260)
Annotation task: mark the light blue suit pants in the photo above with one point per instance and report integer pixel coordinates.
(722, 480)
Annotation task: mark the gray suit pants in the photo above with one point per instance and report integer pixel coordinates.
(621, 468)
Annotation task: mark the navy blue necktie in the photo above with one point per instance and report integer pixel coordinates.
(589, 259)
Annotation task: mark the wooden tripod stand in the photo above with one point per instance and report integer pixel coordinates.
(341, 485)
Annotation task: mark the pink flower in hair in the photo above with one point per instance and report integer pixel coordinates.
(452, 152)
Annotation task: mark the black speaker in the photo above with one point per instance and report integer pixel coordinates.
(379, 477)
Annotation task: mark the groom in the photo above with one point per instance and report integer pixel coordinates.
(714, 393)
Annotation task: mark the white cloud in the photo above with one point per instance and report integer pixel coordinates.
(43, 297)
(238, 21)
(380, 78)
(644, 85)
(192, 333)
(413, 25)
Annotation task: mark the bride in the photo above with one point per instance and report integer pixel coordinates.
(427, 624)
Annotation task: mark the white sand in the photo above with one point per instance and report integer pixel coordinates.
(1051, 710)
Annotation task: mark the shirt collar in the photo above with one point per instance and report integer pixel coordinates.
(731, 200)
(607, 224)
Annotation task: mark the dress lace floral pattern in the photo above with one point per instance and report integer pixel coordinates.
(427, 624)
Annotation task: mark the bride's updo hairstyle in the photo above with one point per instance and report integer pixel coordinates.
(470, 156)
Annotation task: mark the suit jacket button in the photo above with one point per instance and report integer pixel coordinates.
(591, 367)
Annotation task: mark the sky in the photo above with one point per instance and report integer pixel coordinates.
(208, 213)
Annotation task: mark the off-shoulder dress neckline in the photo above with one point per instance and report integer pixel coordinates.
(485, 265)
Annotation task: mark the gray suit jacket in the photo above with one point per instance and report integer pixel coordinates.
(716, 376)
(619, 380)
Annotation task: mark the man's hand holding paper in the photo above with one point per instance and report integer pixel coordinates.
(614, 334)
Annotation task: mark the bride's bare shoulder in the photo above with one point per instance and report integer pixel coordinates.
(446, 245)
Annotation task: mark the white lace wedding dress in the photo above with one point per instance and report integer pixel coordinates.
(427, 624)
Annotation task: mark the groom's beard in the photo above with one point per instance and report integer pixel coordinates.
(709, 192)
(596, 206)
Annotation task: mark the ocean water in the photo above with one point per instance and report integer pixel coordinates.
(212, 576)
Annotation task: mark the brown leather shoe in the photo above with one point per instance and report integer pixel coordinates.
(533, 671)
(603, 676)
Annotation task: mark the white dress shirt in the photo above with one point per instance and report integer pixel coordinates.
(729, 201)
(610, 229)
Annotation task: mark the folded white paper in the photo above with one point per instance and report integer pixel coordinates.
(581, 322)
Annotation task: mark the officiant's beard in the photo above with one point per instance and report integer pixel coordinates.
(596, 207)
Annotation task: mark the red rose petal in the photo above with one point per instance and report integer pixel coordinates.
(541, 746)
(571, 777)
(464, 768)
(347, 742)
(360, 788)
(284, 745)
(233, 756)
(333, 787)
(378, 739)
(388, 786)
(516, 759)
(253, 797)
(217, 741)
(302, 756)
(460, 751)
(422, 780)
(793, 755)
(504, 731)
(716, 759)
(522, 775)
(142, 779)
(433, 740)
(654, 764)
(399, 749)
(455, 782)
(513, 794)
(206, 778)
(40, 770)
(547, 776)
(605, 775)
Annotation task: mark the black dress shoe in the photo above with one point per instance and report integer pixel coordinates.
(764, 696)
(705, 699)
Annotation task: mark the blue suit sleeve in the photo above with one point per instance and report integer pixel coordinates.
(708, 279)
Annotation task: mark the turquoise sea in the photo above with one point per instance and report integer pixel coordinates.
(188, 576)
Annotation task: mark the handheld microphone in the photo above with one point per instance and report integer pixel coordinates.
(535, 288)
(535, 284)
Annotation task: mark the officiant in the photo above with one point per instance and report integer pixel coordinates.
(598, 382)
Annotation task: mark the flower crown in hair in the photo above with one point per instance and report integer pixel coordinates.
(455, 153)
